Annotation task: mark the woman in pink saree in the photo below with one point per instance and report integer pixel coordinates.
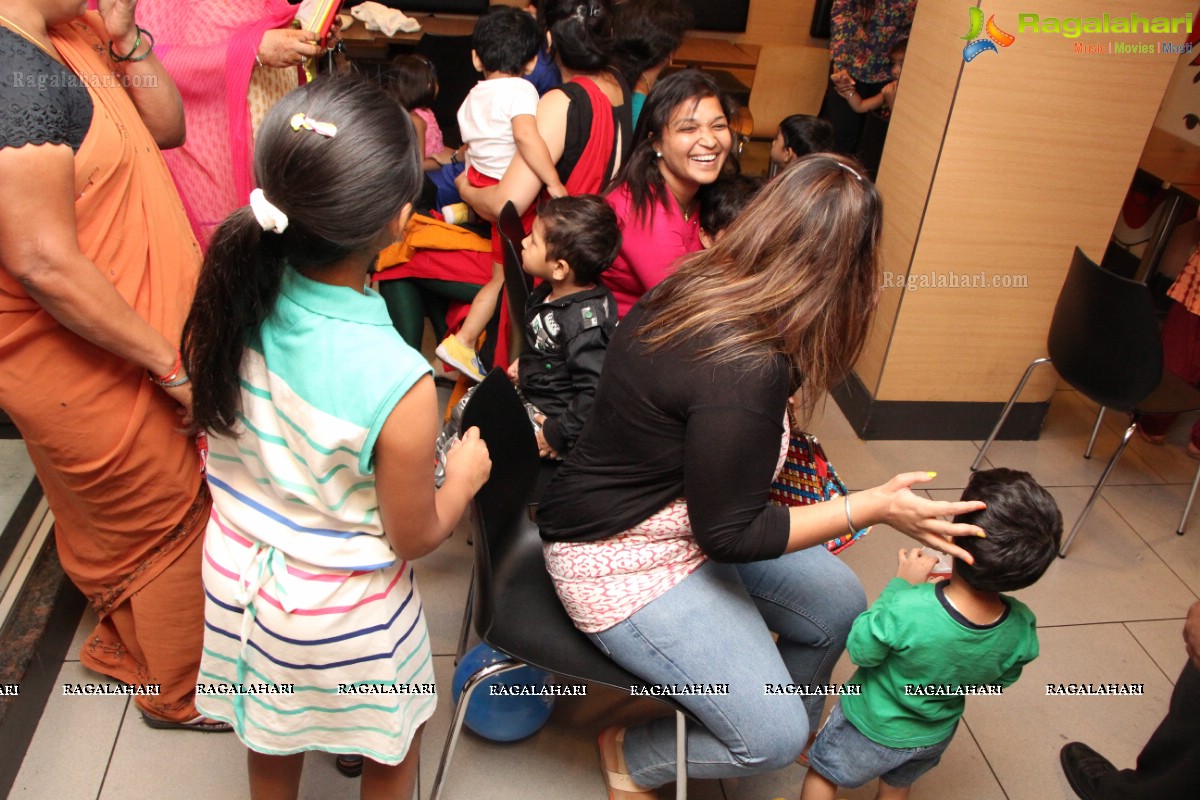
(231, 59)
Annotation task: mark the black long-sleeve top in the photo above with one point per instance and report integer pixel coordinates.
(666, 425)
(560, 366)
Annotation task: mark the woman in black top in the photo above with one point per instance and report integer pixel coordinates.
(660, 537)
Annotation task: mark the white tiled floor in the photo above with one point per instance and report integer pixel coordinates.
(1111, 612)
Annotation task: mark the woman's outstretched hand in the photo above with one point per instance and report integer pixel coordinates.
(894, 503)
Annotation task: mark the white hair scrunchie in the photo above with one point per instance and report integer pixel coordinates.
(268, 215)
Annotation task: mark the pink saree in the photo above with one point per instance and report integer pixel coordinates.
(208, 48)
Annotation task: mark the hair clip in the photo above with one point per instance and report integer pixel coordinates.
(301, 120)
(851, 170)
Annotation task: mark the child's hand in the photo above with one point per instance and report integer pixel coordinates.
(544, 448)
(514, 370)
(443, 157)
(915, 565)
(889, 94)
(842, 81)
(468, 460)
(557, 190)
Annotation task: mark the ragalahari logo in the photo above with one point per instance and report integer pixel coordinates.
(977, 44)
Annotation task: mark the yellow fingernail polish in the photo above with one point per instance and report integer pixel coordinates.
(931, 474)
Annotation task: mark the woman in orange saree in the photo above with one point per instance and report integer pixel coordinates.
(97, 269)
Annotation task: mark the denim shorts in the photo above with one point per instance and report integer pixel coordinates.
(842, 755)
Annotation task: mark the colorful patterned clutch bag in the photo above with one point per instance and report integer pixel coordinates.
(807, 477)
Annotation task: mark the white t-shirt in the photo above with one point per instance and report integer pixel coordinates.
(485, 122)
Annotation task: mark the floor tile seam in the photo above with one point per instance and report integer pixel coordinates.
(1122, 622)
(986, 760)
(1153, 660)
(1153, 549)
(113, 750)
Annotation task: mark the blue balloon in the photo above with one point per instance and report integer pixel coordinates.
(508, 714)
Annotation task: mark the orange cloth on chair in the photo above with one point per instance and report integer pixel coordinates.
(427, 233)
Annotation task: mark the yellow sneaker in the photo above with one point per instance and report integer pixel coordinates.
(462, 358)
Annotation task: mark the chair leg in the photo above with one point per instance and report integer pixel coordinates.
(465, 631)
(1095, 430)
(680, 756)
(460, 716)
(1112, 462)
(1187, 509)
(1007, 408)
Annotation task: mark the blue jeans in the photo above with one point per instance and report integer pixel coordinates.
(844, 756)
(714, 628)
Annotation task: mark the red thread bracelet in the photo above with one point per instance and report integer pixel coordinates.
(170, 376)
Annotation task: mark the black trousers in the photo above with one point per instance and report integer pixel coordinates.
(847, 123)
(1168, 768)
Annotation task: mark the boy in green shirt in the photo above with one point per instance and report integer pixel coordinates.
(921, 648)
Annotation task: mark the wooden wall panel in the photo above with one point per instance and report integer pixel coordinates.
(1039, 151)
(931, 70)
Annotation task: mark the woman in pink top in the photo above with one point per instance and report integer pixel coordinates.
(681, 143)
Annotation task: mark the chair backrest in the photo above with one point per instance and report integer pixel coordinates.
(516, 609)
(497, 410)
(517, 282)
(1104, 338)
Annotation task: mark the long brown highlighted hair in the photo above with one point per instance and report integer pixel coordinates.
(796, 275)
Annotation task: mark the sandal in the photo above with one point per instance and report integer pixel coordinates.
(198, 723)
(612, 763)
(349, 765)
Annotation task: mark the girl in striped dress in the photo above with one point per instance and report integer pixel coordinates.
(321, 427)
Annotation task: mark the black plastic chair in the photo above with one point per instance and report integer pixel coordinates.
(516, 609)
(1105, 342)
(517, 282)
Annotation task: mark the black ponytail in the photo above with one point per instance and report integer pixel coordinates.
(339, 193)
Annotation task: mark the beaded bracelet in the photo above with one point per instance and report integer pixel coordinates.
(136, 44)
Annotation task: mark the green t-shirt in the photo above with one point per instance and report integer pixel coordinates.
(919, 659)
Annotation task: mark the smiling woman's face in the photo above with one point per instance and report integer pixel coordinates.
(695, 143)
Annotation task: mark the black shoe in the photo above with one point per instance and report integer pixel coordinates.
(350, 766)
(1085, 769)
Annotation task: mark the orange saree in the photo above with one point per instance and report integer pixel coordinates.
(123, 482)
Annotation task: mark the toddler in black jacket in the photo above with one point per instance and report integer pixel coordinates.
(569, 317)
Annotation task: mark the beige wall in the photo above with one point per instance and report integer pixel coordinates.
(1002, 166)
